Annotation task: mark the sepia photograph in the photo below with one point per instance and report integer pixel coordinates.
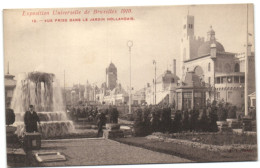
(129, 85)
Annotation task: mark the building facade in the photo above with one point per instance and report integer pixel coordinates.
(166, 85)
(222, 71)
(111, 92)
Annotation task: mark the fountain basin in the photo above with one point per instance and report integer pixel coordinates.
(49, 129)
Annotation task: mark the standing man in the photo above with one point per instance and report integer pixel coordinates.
(101, 121)
(30, 120)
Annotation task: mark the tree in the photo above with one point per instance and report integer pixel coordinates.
(204, 122)
(213, 117)
(185, 121)
(232, 112)
(10, 116)
(165, 119)
(194, 116)
(222, 113)
(138, 123)
(155, 121)
(177, 124)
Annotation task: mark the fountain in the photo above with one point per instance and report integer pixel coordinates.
(41, 90)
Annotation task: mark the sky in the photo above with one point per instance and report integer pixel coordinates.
(85, 49)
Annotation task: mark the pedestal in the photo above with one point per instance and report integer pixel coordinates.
(32, 140)
(113, 131)
(11, 137)
(223, 126)
(112, 126)
(233, 123)
(111, 134)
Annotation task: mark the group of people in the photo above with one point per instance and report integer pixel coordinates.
(99, 115)
(90, 113)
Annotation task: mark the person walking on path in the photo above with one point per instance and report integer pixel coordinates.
(30, 120)
(101, 121)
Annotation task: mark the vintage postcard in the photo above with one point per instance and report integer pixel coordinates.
(130, 85)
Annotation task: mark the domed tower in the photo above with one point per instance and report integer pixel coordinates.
(111, 76)
(205, 48)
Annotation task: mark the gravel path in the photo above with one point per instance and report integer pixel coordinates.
(103, 152)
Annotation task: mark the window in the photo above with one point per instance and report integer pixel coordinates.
(209, 67)
(236, 79)
(229, 79)
(187, 98)
(199, 100)
(223, 79)
(191, 26)
(242, 79)
(184, 27)
(237, 67)
(218, 80)
(209, 79)
(187, 95)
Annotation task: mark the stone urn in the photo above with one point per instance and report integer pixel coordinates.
(222, 125)
(232, 123)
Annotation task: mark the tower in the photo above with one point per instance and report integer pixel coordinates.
(111, 76)
(187, 36)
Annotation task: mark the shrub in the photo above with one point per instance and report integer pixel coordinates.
(203, 124)
(252, 113)
(177, 122)
(232, 112)
(138, 124)
(165, 123)
(222, 113)
(146, 120)
(10, 116)
(155, 121)
(185, 121)
(213, 117)
(194, 120)
(142, 126)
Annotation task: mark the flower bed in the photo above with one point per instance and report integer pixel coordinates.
(195, 142)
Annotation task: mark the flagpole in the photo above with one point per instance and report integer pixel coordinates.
(130, 45)
(246, 65)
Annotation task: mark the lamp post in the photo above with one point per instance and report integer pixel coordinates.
(130, 45)
(246, 65)
(154, 62)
